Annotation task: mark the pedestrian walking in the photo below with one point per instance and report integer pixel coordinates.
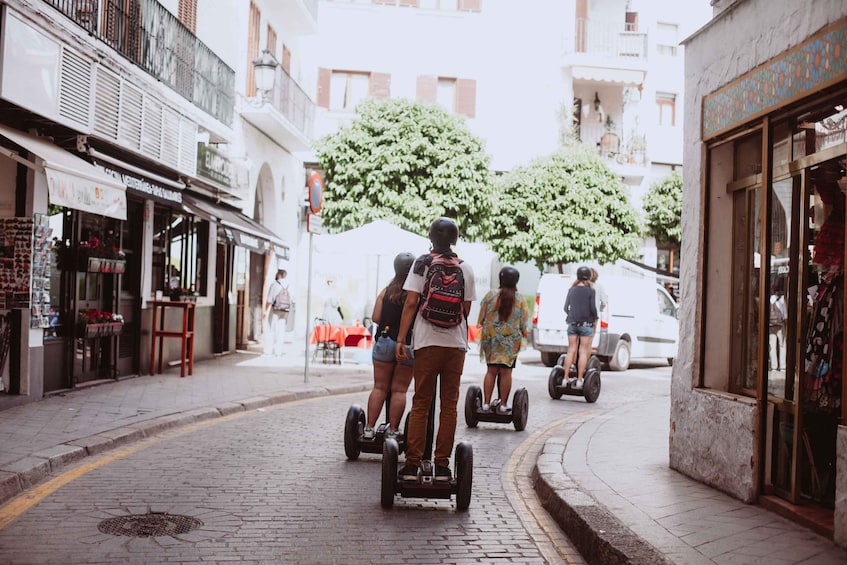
(503, 316)
(440, 291)
(581, 317)
(276, 311)
(391, 375)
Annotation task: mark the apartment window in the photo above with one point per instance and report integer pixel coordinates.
(187, 13)
(667, 39)
(667, 109)
(445, 94)
(347, 89)
(180, 251)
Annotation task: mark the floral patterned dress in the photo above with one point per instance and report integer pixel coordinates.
(500, 342)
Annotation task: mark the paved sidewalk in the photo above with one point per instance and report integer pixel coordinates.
(608, 484)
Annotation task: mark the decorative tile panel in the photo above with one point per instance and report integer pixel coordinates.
(818, 62)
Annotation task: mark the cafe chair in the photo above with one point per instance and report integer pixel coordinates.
(324, 344)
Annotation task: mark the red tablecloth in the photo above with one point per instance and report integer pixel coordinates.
(473, 332)
(344, 336)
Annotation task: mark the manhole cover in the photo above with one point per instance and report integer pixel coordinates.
(149, 525)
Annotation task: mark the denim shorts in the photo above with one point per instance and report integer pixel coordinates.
(581, 330)
(385, 350)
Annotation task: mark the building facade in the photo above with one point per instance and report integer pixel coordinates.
(757, 402)
(128, 156)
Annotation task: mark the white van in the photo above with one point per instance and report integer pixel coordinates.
(638, 319)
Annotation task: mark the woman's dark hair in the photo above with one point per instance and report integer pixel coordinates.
(394, 291)
(506, 301)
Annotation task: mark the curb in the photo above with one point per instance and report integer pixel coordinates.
(599, 536)
(20, 475)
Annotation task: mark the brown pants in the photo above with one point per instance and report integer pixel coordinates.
(430, 362)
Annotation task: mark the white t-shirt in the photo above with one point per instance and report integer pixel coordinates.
(425, 333)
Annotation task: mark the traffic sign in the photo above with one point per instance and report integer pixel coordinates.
(316, 193)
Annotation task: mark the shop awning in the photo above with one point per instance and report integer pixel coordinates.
(246, 231)
(627, 77)
(71, 181)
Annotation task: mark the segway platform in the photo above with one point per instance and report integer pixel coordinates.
(557, 385)
(355, 443)
(426, 486)
(517, 415)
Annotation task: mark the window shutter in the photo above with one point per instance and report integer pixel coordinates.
(380, 85)
(252, 47)
(426, 88)
(470, 5)
(385, 2)
(409, 3)
(271, 46)
(187, 13)
(466, 97)
(324, 76)
(286, 59)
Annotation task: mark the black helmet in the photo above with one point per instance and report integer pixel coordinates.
(509, 277)
(402, 264)
(443, 232)
(583, 274)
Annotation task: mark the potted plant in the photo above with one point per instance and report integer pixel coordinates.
(98, 323)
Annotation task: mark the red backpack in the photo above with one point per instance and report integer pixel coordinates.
(443, 291)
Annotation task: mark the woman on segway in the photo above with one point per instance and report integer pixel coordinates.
(581, 311)
(503, 316)
(390, 374)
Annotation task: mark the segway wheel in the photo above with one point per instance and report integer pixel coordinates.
(464, 475)
(591, 387)
(520, 409)
(557, 375)
(353, 426)
(473, 401)
(390, 452)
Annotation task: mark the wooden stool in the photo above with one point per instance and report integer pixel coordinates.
(186, 334)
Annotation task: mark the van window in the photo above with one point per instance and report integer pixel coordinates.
(666, 307)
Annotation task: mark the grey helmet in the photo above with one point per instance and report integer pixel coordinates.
(509, 277)
(583, 273)
(443, 233)
(402, 264)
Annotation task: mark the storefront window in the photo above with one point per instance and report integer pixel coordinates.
(821, 129)
(180, 252)
(781, 383)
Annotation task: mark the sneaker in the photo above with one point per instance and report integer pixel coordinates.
(486, 407)
(391, 434)
(368, 433)
(442, 474)
(578, 384)
(503, 409)
(408, 473)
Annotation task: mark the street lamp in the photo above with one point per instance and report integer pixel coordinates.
(265, 72)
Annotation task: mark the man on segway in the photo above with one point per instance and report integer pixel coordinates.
(440, 290)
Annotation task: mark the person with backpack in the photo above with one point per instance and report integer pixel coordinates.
(776, 324)
(278, 306)
(440, 289)
(503, 316)
(391, 375)
(581, 317)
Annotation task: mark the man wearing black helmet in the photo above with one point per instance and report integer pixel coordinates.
(440, 290)
(581, 310)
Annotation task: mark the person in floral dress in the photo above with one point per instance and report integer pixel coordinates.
(503, 316)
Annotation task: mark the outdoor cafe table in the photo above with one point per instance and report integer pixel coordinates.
(344, 336)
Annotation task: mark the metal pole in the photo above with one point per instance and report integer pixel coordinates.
(308, 312)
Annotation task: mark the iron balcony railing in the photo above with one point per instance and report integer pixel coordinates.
(612, 39)
(147, 34)
(292, 102)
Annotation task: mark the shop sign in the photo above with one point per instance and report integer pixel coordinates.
(83, 194)
(143, 186)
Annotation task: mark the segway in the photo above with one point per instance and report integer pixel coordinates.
(557, 385)
(517, 415)
(426, 486)
(354, 427)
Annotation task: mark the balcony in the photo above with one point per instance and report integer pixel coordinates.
(286, 114)
(626, 156)
(609, 39)
(148, 35)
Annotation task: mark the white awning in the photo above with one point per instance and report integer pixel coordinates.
(71, 181)
(628, 77)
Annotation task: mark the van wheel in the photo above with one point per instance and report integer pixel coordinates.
(620, 360)
(549, 359)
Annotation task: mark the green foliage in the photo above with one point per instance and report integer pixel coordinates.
(663, 207)
(407, 163)
(564, 208)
